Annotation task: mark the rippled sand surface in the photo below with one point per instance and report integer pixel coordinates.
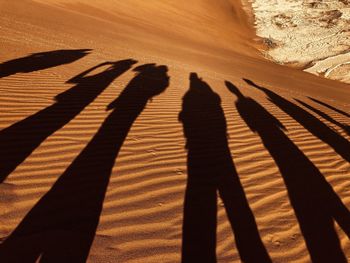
(154, 131)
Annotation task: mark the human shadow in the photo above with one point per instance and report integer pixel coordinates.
(330, 107)
(314, 201)
(20, 139)
(211, 169)
(39, 61)
(325, 116)
(309, 122)
(62, 225)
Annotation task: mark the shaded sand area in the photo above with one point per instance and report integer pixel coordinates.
(153, 131)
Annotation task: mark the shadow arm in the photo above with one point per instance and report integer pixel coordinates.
(81, 76)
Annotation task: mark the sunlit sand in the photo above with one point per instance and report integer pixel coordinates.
(157, 131)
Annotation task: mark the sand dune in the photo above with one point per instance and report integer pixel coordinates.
(112, 151)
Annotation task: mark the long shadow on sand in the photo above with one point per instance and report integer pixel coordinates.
(314, 201)
(310, 122)
(62, 225)
(211, 169)
(330, 107)
(19, 140)
(39, 61)
(325, 116)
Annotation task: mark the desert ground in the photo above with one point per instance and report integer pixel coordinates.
(310, 34)
(157, 131)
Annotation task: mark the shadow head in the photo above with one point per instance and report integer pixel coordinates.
(251, 83)
(194, 77)
(233, 89)
(151, 79)
(122, 63)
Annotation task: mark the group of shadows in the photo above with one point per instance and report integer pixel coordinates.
(62, 225)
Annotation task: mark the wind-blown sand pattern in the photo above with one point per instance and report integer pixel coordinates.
(111, 152)
(308, 33)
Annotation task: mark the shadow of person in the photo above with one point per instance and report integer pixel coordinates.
(19, 140)
(40, 61)
(314, 201)
(62, 225)
(211, 169)
(330, 107)
(309, 122)
(325, 116)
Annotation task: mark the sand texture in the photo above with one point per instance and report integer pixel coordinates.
(306, 33)
(154, 131)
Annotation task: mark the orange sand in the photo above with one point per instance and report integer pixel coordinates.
(98, 145)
